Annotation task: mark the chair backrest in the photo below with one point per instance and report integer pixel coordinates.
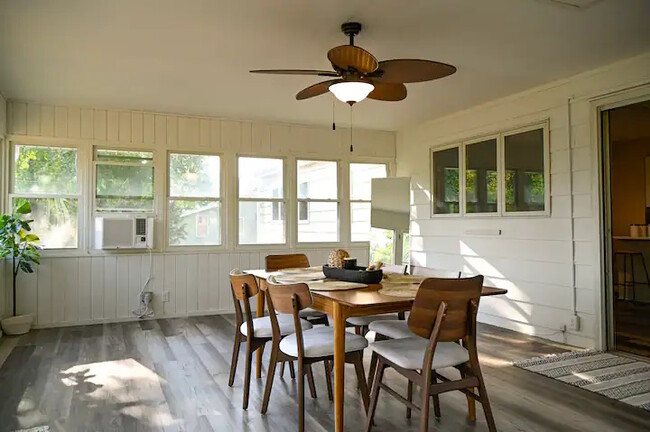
(243, 287)
(434, 273)
(288, 299)
(394, 268)
(461, 297)
(279, 262)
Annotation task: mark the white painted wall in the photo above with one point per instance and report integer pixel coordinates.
(534, 257)
(85, 286)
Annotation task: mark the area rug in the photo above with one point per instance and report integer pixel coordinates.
(36, 429)
(624, 379)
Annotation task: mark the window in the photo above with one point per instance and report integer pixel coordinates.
(361, 175)
(446, 182)
(318, 207)
(481, 181)
(261, 201)
(47, 178)
(194, 212)
(525, 184)
(123, 181)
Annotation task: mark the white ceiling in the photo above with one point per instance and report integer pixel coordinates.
(193, 56)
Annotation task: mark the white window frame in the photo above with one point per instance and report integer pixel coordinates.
(355, 201)
(313, 200)
(239, 199)
(78, 196)
(461, 180)
(169, 197)
(547, 170)
(463, 191)
(461, 145)
(93, 192)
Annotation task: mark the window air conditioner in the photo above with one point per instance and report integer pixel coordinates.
(123, 232)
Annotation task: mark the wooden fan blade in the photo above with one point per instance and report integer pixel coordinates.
(391, 92)
(316, 89)
(411, 70)
(348, 57)
(296, 72)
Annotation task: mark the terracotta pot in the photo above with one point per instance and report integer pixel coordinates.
(17, 325)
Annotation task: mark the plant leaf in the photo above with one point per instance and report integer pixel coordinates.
(24, 208)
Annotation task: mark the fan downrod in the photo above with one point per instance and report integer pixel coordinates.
(351, 29)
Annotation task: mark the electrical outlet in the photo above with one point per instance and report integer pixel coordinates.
(575, 323)
(165, 296)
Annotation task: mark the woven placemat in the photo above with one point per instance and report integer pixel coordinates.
(400, 278)
(404, 290)
(334, 285)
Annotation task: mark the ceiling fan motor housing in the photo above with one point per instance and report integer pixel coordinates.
(351, 29)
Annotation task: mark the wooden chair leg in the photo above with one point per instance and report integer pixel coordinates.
(471, 403)
(292, 371)
(487, 409)
(436, 399)
(301, 397)
(409, 397)
(375, 394)
(247, 377)
(328, 379)
(235, 358)
(270, 374)
(357, 330)
(372, 370)
(424, 407)
(282, 369)
(361, 379)
(310, 381)
(258, 369)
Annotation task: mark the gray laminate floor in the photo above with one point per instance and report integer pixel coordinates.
(172, 375)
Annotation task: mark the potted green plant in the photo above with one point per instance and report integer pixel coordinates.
(19, 245)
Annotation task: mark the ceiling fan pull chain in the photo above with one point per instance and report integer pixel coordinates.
(351, 146)
(333, 113)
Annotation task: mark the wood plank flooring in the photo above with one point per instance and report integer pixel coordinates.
(172, 375)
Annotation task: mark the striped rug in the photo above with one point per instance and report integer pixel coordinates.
(617, 377)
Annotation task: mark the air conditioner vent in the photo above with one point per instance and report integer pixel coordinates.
(141, 226)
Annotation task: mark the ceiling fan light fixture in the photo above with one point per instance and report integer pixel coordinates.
(351, 92)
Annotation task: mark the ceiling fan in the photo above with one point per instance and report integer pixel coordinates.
(357, 74)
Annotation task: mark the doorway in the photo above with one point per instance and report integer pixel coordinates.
(626, 146)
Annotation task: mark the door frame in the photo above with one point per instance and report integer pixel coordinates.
(599, 105)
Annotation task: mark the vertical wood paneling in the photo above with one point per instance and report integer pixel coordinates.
(169, 308)
(148, 132)
(87, 123)
(84, 288)
(230, 135)
(204, 133)
(215, 281)
(122, 286)
(224, 280)
(110, 287)
(181, 283)
(192, 287)
(99, 121)
(58, 289)
(188, 132)
(97, 288)
(202, 284)
(74, 122)
(27, 295)
(215, 134)
(246, 141)
(124, 129)
(261, 138)
(135, 284)
(137, 128)
(279, 138)
(172, 131)
(47, 120)
(112, 125)
(158, 283)
(18, 118)
(69, 269)
(160, 130)
(33, 119)
(44, 271)
(60, 122)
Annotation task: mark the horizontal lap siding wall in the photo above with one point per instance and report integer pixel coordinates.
(532, 257)
(92, 287)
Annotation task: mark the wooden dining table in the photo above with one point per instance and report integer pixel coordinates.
(341, 305)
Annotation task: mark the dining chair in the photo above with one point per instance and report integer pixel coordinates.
(307, 346)
(443, 318)
(361, 324)
(256, 332)
(398, 329)
(280, 262)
